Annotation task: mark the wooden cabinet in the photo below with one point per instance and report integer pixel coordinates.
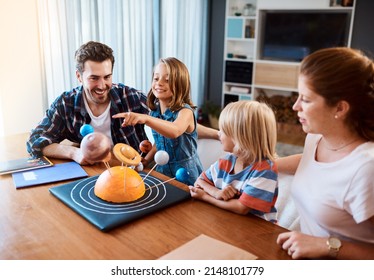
(276, 75)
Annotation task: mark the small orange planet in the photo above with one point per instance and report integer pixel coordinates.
(114, 186)
(145, 146)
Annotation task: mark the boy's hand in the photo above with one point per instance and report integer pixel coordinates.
(197, 192)
(226, 194)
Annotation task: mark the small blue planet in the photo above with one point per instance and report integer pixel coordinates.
(86, 129)
(182, 175)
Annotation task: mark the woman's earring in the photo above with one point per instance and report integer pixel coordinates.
(336, 116)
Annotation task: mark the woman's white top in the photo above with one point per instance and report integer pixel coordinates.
(336, 198)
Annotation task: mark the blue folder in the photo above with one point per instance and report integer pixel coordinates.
(56, 173)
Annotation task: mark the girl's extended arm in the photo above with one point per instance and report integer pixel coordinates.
(288, 164)
(204, 132)
(184, 122)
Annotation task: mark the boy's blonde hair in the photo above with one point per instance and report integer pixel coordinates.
(252, 127)
(179, 83)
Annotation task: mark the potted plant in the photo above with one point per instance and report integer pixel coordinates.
(212, 111)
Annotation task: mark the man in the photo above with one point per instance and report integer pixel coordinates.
(94, 102)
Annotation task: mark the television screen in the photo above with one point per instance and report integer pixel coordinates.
(292, 35)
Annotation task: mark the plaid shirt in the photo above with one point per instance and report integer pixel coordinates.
(67, 114)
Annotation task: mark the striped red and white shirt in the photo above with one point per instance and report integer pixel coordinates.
(257, 184)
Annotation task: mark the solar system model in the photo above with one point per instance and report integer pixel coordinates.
(123, 183)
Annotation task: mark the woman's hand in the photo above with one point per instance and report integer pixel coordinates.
(301, 246)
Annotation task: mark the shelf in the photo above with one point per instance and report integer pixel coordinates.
(248, 66)
(229, 97)
(342, 4)
(246, 40)
(264, 61)
(240, 28)
(288, 89)
(243, 17)
(235, 88)
(240, 59)
(239, 51)
(238, 72)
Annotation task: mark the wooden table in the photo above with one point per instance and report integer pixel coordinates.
(36, 225)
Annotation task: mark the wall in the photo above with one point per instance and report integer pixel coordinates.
(363, 23)
(215, 50)
(20, 68)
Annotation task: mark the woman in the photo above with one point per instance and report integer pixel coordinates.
(333, 186)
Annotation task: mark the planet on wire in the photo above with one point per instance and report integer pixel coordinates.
(86, 129)
(161, 157)
(96, 147)
(145, 146)
(182, 175)
(139, 167)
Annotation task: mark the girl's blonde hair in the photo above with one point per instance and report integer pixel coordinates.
(179, 83)
(252, 127)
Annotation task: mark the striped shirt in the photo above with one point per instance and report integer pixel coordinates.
(67, 114)
(257, 184)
